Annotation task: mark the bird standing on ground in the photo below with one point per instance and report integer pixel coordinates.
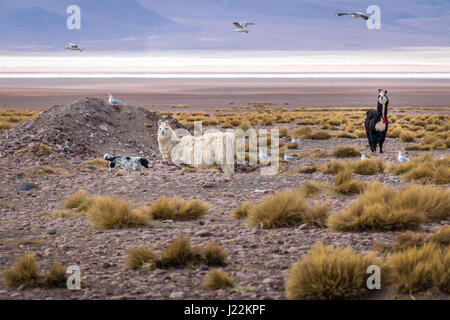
(289, 158)
(113, 101)
(264, 156)
(441, 157)
(401, 158)
(74, 47)
(363, 156)
(354, 15)
(242, 26)
(296, 140)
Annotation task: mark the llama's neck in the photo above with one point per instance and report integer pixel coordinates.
(382, 109)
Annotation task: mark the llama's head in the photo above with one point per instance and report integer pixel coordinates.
(382, 96)
(164, 128)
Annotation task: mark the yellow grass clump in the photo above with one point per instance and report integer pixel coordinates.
(345, 184)
(56, 277)
(113, 213)
(382, 208)
(79, 201)
(368, 167)
(179, 253)
(441, 236)
(407, 136)
(311, 188)
(283, 209)
(420, 268)
(318, 135)
(140, 258)
(24, 272)
(177, 209)
(333, 167)
(242, 211)
(346, 152)
(217, 279)
(97, 163)
(213, 254)
(424, 169)
(329, 273)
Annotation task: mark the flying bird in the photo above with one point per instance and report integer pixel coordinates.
(242, 26)
(363, 156)
(113, 101)
(401, 158)
(354, 15)
(74, 47)
(289, 158)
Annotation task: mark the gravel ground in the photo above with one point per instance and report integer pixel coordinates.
(259, 260)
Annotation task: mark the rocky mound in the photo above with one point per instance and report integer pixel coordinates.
(87, 128)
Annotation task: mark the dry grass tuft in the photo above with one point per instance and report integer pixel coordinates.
(79, 201)
(113, 213)
(24, 272)
(311, 188)
(97, 163)
(217, 279)
(424, 169)
(283, 209)
(333, 167)
(179, 253)
(441, 236)
(317, 216)
(213, 254)
(344, 183)
(382, 208)
(139, 258)
(56, 277)
(368, 167)
(318, 135)
(346, 152)
(329, 273)
(420, 268)
(407, 136)
(242, 211)
(177, 209)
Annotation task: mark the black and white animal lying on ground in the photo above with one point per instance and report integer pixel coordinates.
(127, 163)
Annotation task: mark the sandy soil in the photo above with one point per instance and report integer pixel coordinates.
(201, 94)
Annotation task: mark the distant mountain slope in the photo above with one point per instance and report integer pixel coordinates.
(102, 20)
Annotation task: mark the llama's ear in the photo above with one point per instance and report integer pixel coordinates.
(159, 122)
(385, 92)
(169, 124)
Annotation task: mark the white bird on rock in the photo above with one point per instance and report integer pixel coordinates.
(401, 158)
(264, 156)
(289, 158)
(363, 156)
(113, 101)
(296, 140)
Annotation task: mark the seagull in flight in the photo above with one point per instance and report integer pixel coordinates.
(354, 15)
(113, 101)
(401, 158)
(363, 156)
(242, 26)
(289, 158)
(74, 47)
